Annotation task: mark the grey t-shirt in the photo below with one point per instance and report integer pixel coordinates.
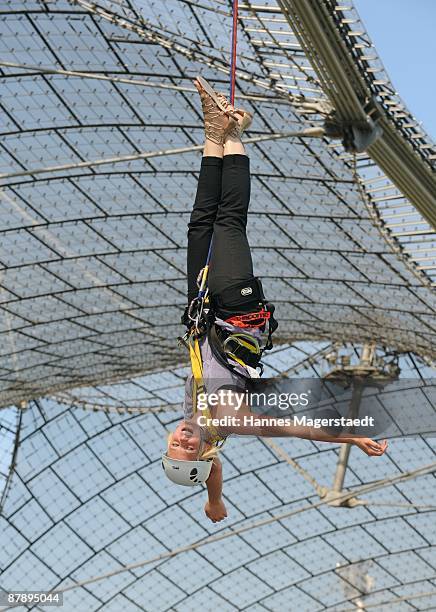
(215, 375)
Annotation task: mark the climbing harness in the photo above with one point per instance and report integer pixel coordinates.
(243, 348)
(251, 319)
(196, 307)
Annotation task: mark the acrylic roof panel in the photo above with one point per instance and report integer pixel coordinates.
(88, 479)
(92, 256)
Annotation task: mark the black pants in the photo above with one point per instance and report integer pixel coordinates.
(220, 209)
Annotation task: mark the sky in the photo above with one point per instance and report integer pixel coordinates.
(404, 34)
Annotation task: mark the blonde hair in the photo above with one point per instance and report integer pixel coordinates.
(207, 451)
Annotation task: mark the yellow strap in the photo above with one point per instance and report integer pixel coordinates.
(204, 276)
(232, 356)
(198, 385)
(243, 342)
(196, 361)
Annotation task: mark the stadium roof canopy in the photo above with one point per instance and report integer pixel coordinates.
(97, 101)
(87, 499)
(97, 98)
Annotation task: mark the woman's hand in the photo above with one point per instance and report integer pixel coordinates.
(216, 511)
(371, 447)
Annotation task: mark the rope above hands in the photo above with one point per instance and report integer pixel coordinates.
(196, 307)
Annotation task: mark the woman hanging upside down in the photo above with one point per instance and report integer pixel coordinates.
(226, 347)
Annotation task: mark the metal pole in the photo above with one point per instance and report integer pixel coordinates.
(312, 132)
(344, 454)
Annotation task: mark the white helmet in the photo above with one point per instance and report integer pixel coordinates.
(187, 473)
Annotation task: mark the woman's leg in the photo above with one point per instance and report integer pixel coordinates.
(231, 257)
(200, 227)
(217, 125)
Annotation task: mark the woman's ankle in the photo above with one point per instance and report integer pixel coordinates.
(212, 149)
(234, 146)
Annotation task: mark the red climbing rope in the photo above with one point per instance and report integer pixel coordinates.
(233, 55)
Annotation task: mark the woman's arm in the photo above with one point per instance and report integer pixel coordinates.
(215, 508)
(270, 429)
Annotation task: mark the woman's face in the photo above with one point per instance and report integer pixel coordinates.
(185, 442)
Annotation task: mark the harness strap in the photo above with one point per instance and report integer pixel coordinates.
(199, 387)
(196, 365)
